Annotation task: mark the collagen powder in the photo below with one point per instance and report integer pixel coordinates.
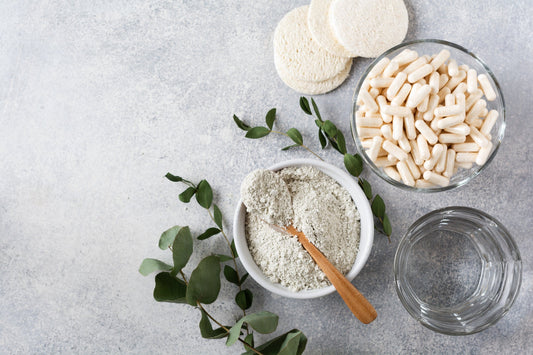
(321, 208)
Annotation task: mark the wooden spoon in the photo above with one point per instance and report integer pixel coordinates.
(357, 303)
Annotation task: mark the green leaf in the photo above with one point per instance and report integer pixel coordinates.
(169, 288)
(231, 275)
(150, 265)
(263, 322)
(387, 228)
(329, 128)
(233, 249)
(250, 340)
(217, 216)
(291, 344)
(290, 146)
(167, 238)
(319, 124)
(315, 107)
(207, 331)
(223, 257)
(204, 283)
(341, 143)
(243, 278)
(186, 195)
(378, 207)
(304, 104)
(204, 196)
(322, 139)
(257, 132)
(367, 189)
(244, 299)
(241, 124)
(173, 177)
(181, 249)
(276, 345)
(352, 164)
(295, 135)
(270, 118)
(209, 233)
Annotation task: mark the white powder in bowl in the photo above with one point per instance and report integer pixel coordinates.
(325, 212)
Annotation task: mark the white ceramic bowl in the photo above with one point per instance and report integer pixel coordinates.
(365, 242)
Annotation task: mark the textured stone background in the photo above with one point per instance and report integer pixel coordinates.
(99, 99)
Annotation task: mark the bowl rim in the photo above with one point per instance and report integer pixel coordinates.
(403, 248)
(497, 140)
(366, 236)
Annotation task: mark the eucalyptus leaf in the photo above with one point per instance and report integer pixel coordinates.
(243, 278)
(274, 346)
(186, 195)
(169, 288)
(249, 339)
(150, 265)
(291, 344)
(244, 299)
(181, 249)
(257, 132)
(270, 118)
(322, 139)
(204, 196)
(263, 322)
(241, 124)
(290, 146)
(378, 207)
(223, 257)
(233, 249)
(173, 177)
(352, 164)
(319, 123)
(329, 128)
(204, 283)
(217, 216)
(315, 107)
(207, 331)
(295, 135)
(387, 228)
(209, 233)
(367, 189)
(167, 238)
(341, 143)
(231, 275)
(304, 104)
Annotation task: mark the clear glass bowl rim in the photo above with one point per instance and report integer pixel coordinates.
(402, 249)
(496, 140)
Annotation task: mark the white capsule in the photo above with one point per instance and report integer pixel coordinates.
(423, 148)
(449, 100)
(403, 142)
(434, 124)
(456, 80)
(405, 173)
(484, 82)
(443, 80)
(423, 106)
(451, 110)
(442, 93)
(396, 110)
(380, 82)
(375, 148)
(471, 80)
(440, 58)
(378, 68)
(436, 179)
(476, 110)
(416, 153)
(483, 154)
(434, 80)
(441, 163)
(392, 173)
(466, 157)
(436, 152)
(476, 122)
(464, 165)
(409, 124)
(413, 168)
(406, 56)
(415, 65)
(368, 100)
(368, 132)
(472, 99)
(373, 92)
(464, 67)
(393, 149)
(450, 121)
(397, 127)
(462, 129)
(417, 95)
(382, 101)
(423, 184)
(459, 89)
(366, 143)
(421, 72)
(390, 69)
(466, 147)
(395, 85)
(484, 112)
(453, 70)
(478, 137)
(450, 138)
(432, 104)
(491, 119)
(427, 132)
(401, 95)
(450, 163)
(461, 101)
(369, 121)
(384, 162)
(386, 130)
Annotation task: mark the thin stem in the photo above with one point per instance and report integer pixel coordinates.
(301, 145)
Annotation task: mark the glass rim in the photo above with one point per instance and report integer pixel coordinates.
(378, 171)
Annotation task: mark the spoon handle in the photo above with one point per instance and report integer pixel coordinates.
(357, 303)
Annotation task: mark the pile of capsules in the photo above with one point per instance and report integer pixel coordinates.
(420, 118)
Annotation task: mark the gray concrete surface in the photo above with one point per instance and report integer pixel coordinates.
(99, 99)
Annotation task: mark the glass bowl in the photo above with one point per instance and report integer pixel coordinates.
(462, 56)
(457, 270)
